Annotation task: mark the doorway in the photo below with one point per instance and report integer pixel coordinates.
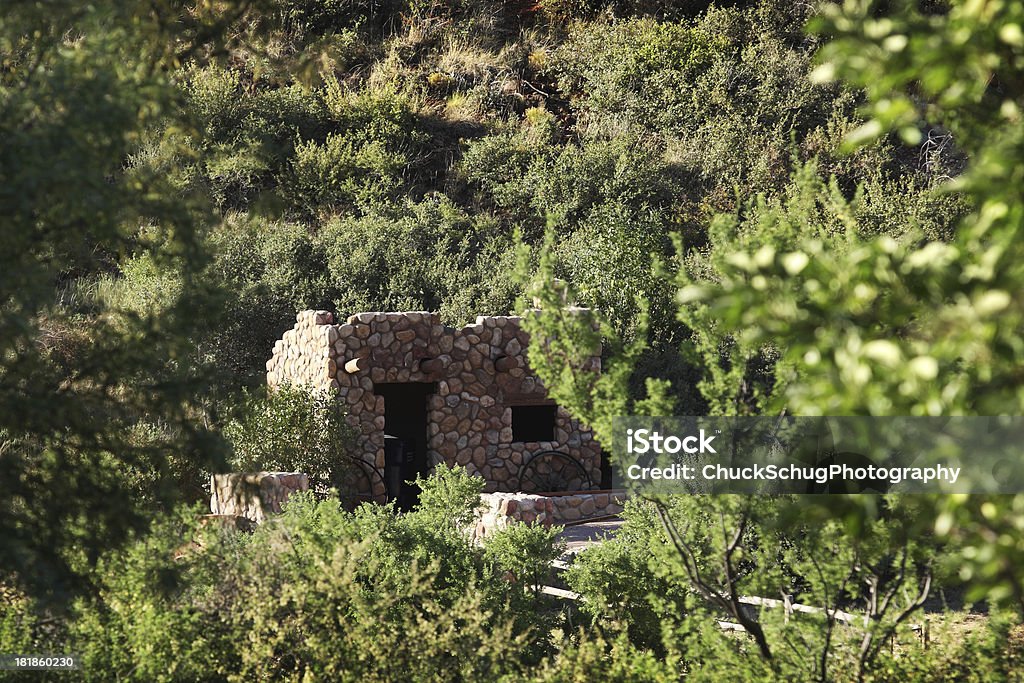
(405, 438)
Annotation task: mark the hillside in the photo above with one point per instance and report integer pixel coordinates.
(767, 208)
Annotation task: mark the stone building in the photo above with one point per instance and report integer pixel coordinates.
(420, 393)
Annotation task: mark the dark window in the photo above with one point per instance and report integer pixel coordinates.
(533, 423)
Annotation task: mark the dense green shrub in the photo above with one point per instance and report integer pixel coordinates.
(730, 95)
(318, 591)
(154, 616)
(214, 95)
(642, 70)
(563, 184)
(450, 495)
(293, 429)
(329, 148)
(325, 149)
(339, 176)
(144, 287)
(323, 592)
(247, 132)
(526, 552)
(27, 627)
(497, 164)
(430, 255)
(610, 259)
(623, 592)
(593, 658)
(385, 115)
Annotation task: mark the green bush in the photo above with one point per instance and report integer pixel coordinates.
(27, 628)
(525, 553)
(610, 259)
(293, 429)
(316, 592)
(449, 496)
(248, 131)
(592, 658)
(236, 176)
(340, 176)
(214, 96)
(639, 68)
(430, 255)
(144, 287)
(622, 592)
(729, 94)
(375, 148)
(153, 615)
(559, 12)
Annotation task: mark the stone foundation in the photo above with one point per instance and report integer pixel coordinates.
(254, 495)
(580, 506)
(498, 510)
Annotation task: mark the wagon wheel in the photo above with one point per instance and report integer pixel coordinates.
(553, 471)
(357, 482)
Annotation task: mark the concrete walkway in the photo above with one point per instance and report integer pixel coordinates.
(581, 536)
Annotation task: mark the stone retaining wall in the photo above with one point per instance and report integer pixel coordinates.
(578, 506)
(480, 372)
(498, 510)
(254, 495)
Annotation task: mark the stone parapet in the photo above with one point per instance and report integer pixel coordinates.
(254, 495)
(581, 506)
(498, 510)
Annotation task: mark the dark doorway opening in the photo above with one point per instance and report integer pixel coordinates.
(405, 438)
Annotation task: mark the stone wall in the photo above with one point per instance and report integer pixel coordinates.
(498, 510)
(254, 495)
(579, 506)
(480, 372)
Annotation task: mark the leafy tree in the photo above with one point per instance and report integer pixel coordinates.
(80, 86)
(836, 320)
(918, 328)
(692, 561)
